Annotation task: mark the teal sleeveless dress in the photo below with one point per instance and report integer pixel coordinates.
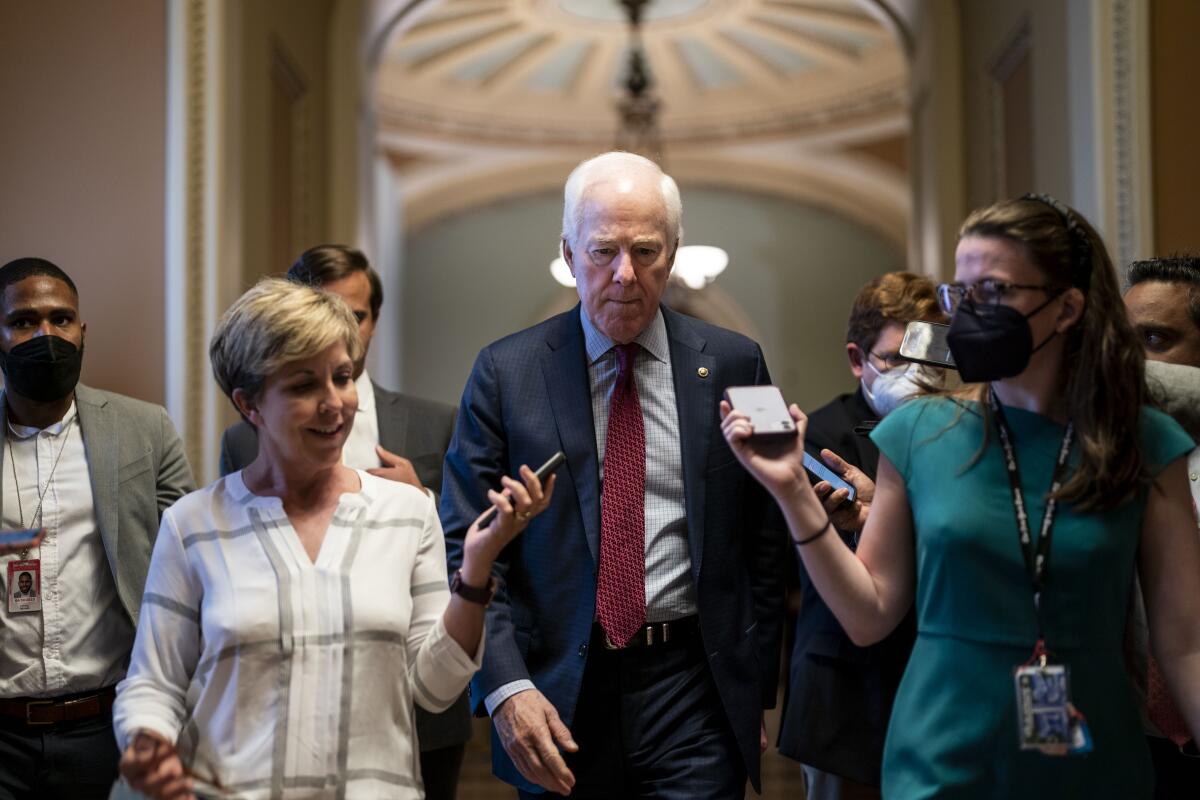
(953, 731)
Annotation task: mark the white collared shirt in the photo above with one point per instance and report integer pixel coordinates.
(359, 450)
(81, 638)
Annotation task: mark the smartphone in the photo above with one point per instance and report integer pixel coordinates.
(542, 473)
(765, 407)
(19, 538)
(925, 343)
(816, 467)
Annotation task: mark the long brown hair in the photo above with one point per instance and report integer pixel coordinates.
(1104, 381)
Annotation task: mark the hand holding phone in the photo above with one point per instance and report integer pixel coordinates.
(765, 407)
(823, 473)
(542, 473)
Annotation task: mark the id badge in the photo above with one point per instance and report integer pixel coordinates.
(1043, 708)
(24, 586)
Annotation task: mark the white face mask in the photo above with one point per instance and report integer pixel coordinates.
(893, 387)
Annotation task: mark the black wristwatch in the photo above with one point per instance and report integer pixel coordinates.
(483, 596)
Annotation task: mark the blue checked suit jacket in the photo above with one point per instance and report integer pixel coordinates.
(528, 396)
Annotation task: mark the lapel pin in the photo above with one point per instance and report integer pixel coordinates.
(702, 372)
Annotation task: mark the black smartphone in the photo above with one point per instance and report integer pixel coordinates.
(816, 467)
(925, 343)
(542, 473)
(21, 538)
(765, 407)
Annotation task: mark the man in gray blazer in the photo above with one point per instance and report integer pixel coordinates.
(394, 436)
(94, 470)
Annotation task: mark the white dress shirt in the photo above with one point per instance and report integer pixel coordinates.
(81, 638)
(359, 450)
(278, 675)
(670, 591)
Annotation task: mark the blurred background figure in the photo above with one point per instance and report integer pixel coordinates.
(839, 696)
(1163, 301)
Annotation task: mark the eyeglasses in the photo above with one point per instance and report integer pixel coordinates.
(985, 292)
(890, 360)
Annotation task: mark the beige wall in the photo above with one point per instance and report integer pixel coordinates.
(991, 35)
(281, 103)
(83, 88)
(1174, 32)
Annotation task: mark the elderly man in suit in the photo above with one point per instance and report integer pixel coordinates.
(634, 640)
(94, 470)
(394, 436)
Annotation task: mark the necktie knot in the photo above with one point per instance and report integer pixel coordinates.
(626, 355)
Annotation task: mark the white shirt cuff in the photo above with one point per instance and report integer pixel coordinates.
(506, 691)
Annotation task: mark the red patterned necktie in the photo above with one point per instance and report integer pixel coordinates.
(621, 587)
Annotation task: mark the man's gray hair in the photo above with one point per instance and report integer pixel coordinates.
(275, 322)
(606, 167)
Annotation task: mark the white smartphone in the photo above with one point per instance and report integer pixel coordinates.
(765, 407)
(925, 343)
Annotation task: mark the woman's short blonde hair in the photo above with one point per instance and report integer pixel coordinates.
(277, 321)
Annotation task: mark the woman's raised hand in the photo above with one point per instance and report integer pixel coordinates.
(520, 502)
(777, 462)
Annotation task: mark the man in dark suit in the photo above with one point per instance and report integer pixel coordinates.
(632, 645)
(395, 436)
(839, 695)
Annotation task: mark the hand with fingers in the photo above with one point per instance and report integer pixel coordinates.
(845, 516)
(517, 504)
(777, 462)
(151, 765)
(533, 735)
(395, 468)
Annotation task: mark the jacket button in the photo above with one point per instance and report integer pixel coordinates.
(583, 651)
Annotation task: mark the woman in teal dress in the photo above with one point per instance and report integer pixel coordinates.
(1039, 328)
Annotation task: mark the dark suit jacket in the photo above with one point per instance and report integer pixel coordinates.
(528, 396)
(839, 696)
(137, 469)
(418, 430)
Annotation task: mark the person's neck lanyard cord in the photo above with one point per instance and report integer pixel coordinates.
(1036, 554)
(37, 512)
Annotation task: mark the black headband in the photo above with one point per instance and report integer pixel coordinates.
(1081, 246)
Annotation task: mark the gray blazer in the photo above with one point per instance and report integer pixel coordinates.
(1176, 389)
(138, 469)
(420, 431)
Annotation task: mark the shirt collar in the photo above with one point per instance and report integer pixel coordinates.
(26, 431)
(366, 392)
(653, 338)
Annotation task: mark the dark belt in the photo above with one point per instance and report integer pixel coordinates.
(656, 634)
(36, 711)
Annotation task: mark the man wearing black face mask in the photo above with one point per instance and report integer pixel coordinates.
(68, 454)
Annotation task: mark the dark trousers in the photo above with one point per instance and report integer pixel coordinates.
(65, 761)
(440, 769)
(1176, 772)
(649, 723)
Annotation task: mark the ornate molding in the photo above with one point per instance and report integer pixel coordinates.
(195, 438)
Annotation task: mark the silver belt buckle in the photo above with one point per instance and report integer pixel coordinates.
(29, 720)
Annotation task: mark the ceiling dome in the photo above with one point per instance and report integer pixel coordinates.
(550, 71)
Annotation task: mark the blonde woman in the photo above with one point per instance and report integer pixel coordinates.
(296, 609)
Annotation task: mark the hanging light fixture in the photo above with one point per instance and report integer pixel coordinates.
(637, 132)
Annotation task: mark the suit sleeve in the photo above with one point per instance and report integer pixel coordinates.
(766, 553)
(174, 474)
(475, 462)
